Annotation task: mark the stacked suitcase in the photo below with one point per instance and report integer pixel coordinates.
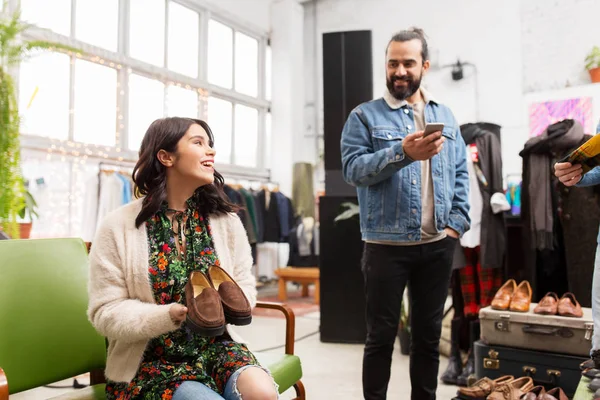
(549, 348)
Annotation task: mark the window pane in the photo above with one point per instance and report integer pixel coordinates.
(246, 135)
(97, 22)
(146, 104)
(182, 102)
(268, 72)
(54, 15)
(246, 64)
(95, 109)
(44, 95)
(183, 40)
(220, 54)
(147, 31)
(219, 119)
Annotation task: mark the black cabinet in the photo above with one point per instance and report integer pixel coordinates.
(342, 284)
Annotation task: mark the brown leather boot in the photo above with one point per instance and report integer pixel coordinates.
(235, 304)
(205, 312)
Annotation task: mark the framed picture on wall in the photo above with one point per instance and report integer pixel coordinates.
(542, 114)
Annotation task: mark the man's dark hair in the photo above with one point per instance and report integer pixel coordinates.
(411, 34)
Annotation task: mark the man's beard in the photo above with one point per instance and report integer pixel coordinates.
(403, 93)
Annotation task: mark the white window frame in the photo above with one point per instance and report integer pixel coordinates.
(125, 64)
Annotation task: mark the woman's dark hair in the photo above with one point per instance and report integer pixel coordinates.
(150, 175)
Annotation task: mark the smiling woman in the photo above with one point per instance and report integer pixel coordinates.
(177, 156)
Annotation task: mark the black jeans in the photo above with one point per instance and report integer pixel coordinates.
(387, 270)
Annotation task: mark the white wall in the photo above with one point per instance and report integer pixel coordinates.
(556, 37)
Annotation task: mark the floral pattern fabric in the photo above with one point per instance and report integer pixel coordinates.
(180, 355)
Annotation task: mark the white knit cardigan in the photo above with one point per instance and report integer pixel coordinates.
(121, 302)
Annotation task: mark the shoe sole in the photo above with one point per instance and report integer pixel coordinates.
(204, 331)
(239, 321)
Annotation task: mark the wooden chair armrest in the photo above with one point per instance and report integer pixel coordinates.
(3, 385)
(290, 323)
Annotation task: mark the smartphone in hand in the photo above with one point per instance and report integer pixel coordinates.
(432, 127)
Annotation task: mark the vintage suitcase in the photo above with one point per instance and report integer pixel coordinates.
(548, 369)
(538, 332)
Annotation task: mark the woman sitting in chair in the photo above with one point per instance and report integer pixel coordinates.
(169, 271)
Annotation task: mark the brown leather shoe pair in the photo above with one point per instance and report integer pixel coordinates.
(567, 306)
(513, 297)
(482, 388)
(213, 300)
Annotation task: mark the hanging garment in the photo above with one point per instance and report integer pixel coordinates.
(569, 216)
(251, 207)
(478, 285)
(111, 195)
(269, 217)
(472, 238)
(303, 194)
(286, 215)
(537, 173)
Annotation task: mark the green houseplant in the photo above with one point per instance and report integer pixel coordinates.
(27, 213)
(592, 64)
(13, 50)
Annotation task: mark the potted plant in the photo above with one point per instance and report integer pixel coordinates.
(13, 50)
(27, 213)
(592, 64)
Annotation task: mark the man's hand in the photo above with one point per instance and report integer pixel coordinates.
(568, 174)
(178, 312)
(420, 148)
(452, 233)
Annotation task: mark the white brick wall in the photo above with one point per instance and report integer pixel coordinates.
(556, 37)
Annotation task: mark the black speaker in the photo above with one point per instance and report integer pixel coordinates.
(342, 284)
(347, 82)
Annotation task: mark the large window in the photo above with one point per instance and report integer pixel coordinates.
(146, 103)
(183, 40)
(220, 54)
(147, 31)
(44, 95)
(95, 102)
(139, 60)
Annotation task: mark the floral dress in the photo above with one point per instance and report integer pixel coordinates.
(180, 355)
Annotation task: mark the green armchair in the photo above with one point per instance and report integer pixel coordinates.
(45, 335)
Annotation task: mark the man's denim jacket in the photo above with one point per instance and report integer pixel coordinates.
(389, 183)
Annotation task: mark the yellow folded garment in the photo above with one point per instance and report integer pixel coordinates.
(588, 154)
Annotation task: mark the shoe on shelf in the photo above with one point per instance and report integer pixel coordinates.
(555, 394)
(482, 388)
(548, 304)
(568, 306)
(534, 394)
(521, 299)
(501, 300)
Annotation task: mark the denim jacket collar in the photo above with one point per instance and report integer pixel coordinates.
(395, 104)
